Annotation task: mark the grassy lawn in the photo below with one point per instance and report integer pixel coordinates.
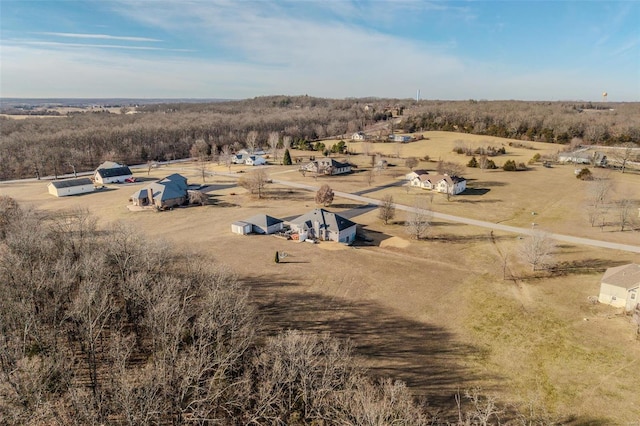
(436, 313)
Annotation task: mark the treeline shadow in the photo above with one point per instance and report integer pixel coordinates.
(584, 266)
(425, 356)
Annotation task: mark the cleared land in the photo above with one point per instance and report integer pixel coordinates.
(435, 313)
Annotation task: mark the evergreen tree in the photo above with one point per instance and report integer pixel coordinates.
(287, 158)
(277, 259)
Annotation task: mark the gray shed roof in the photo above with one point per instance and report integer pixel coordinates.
(625, 276)
(263, 220)
(68, 183)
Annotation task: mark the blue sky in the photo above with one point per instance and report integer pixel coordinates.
(529, 50)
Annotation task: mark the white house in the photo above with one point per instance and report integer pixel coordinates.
(63, 188)
(359, 136)
(445, 184)
(452, 185)
(326, 226)
(255, 160)
(620, 285)
(118, 174)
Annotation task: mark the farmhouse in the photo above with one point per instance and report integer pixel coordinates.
(260, 224)
(116, 174)
(620, 285)
(325, 226)
(326, 166)
(446, 184)
(451, 185)
(163, 194)
(359, 136)
(63, 188)
(255, 160)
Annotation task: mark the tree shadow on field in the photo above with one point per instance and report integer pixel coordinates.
(584, 266)
(425, 356)
(216, 200)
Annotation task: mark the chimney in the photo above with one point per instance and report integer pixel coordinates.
(150, 195)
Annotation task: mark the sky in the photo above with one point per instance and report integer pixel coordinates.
(237, 49)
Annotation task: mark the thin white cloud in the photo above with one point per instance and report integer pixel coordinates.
(99, 36)
(100, 46)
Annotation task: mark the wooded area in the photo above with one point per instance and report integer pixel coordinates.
(52, 146)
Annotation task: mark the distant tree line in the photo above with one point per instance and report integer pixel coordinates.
(39, 147)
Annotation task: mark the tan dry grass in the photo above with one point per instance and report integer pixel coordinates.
(434, 313)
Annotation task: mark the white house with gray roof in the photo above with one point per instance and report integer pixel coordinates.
(620, 286)
(65, 187)
(116, 174)
(325, 226)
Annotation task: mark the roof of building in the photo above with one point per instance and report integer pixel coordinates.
(109, 165)
(263, 220)
(168, 188)
(327, 219)
(68, 183)
(114, 171)
(626, 276)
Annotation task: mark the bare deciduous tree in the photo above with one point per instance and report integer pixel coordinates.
(387, 210)
(324, 195)
(537, 249)
(418, 221)
(450, 168)
(411, 162)
(626, 210)
(252, 141)
(274, 140)
(255, 181)
(599, 191)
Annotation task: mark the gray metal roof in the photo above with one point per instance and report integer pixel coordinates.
(68, 183)
(114, 171)
(263, 220)
(327, 219)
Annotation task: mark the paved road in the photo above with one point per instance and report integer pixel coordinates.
(474, 222)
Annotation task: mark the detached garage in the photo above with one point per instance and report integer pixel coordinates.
(63, 188)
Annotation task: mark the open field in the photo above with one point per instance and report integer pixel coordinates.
(435, 313)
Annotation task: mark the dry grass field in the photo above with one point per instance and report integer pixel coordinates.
(436, 313)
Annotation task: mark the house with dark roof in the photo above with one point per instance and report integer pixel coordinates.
(325, 226)
(259, 224)
(168, 192)
(326, 166)
(65, 187)
(118, 174)
(620, 286)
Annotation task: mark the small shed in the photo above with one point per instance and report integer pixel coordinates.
(241, 228)
(63, 188)
(620, 286)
